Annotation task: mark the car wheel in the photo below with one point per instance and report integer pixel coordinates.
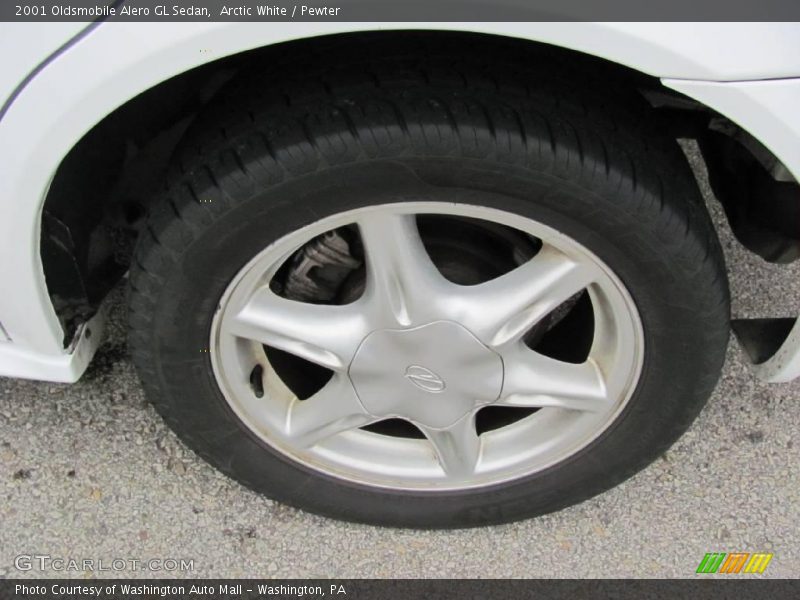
(428, 305)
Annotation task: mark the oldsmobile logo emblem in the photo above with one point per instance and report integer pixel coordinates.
(424, 379)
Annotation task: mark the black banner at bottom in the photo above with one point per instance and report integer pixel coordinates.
(404, 589)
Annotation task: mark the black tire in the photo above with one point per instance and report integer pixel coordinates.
(594, 164)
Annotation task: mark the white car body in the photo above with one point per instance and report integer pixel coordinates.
(58, 80)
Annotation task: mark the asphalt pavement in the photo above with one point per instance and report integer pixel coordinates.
(89, 471)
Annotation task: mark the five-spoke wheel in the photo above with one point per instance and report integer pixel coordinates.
(428, 288)
(418, 347)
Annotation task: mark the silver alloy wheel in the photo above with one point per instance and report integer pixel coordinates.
(417, 347)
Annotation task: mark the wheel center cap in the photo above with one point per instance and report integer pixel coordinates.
(433, 374)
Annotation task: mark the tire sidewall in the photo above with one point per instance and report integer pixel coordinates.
(607, 220)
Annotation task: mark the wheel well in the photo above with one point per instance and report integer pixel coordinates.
(101, 191)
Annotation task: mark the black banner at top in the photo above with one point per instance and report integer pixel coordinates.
(398, 10)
